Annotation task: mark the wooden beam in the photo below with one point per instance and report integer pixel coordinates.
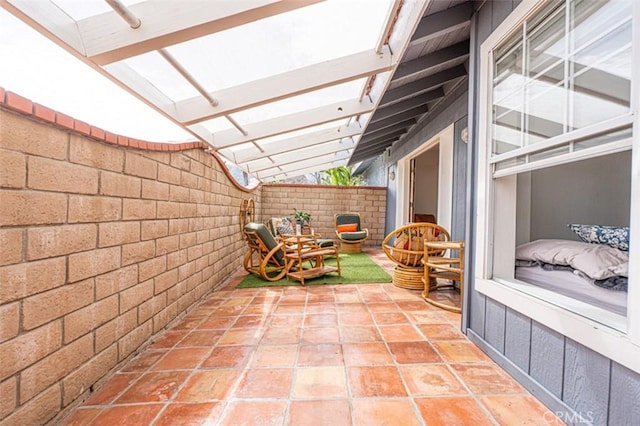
(375, 138)
(437, 58)
(398, 114)
(109, 39)
(389, 123)
(291, 122)
(328, 161)
(442, 23)
(281, 86)
(426, 84)
(299, 155)
(298, 142)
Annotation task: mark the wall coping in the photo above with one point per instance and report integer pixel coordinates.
(16, 103)
(313, 185)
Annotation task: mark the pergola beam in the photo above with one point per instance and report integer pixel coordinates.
(108, 39)
(327, 161)
(292, 122)
(285, 85)
(427, 84)
(295, 143)
(299, 155)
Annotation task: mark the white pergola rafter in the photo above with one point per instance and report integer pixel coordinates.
(108, 39)
(285, 85)
(299, 154)
(292, 122)
(327, 161)
(282, 146)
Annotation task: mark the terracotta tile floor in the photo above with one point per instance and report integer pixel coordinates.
(368, 354)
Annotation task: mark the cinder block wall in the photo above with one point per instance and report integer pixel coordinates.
(104, 241)
(324, 201)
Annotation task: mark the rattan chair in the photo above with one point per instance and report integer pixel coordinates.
(266, 255)
(405, 247)
(350, 232)
(448, 268)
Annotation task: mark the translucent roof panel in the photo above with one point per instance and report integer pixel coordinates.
(263, 81)
(284, 42)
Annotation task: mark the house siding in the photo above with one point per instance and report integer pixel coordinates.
(579, 384)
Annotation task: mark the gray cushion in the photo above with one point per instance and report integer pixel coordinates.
(265, 236)
(325, 242)
(353, 236)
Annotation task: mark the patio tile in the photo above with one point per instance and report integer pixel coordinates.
(320, 355)
(291, 321)
(206, 338)
(351, 308)
(366, 354)
(388, 318)
(320, 413)
(281, 335)
(454, 411)
(441, 332)
(355, 318)
(275, 356)
(321, 320)
(515, 409)
(284, 308)
(181, 358)
(218, 323)
(241, 336)
(485, 379)
(154, 387)
(265, 383)
(431, 380)
(127, 415)
(255, 413)
(320, 308)
(371, 412)
(188, 323)
(169, 339)
(359, 334)
(389, 306)
(460, 351)
(82, 416)
(320, 383)
(228, 356)
(250, 321)
(380, 381)
(209, 385)
(144, 361)
(190, 414)
(427, 317)
(114, 387)
(400, 333)
(412, 305)
(320, 335)
(413, 353)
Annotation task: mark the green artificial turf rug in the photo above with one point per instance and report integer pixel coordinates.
(356, 268)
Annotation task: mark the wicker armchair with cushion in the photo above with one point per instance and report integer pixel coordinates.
(266, 256)
(350, 232)
(405, 247)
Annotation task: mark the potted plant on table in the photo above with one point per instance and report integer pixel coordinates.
(303, 219)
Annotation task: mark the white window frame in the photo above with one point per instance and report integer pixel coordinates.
(620, 346)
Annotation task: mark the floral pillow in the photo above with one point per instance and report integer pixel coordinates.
(613, 236)
(282, 225)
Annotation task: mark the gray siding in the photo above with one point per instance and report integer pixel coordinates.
(580, 384)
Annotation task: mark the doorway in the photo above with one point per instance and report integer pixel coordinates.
(425, 179)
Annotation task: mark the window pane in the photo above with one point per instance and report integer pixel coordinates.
(545, 100)
(601, 79)
(546, 41)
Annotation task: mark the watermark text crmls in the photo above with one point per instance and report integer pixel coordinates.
(561, 417)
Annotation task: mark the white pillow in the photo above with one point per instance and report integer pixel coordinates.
(598, 261)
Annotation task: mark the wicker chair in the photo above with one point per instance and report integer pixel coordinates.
(266, 256)
(350, 232)
(405, 247)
